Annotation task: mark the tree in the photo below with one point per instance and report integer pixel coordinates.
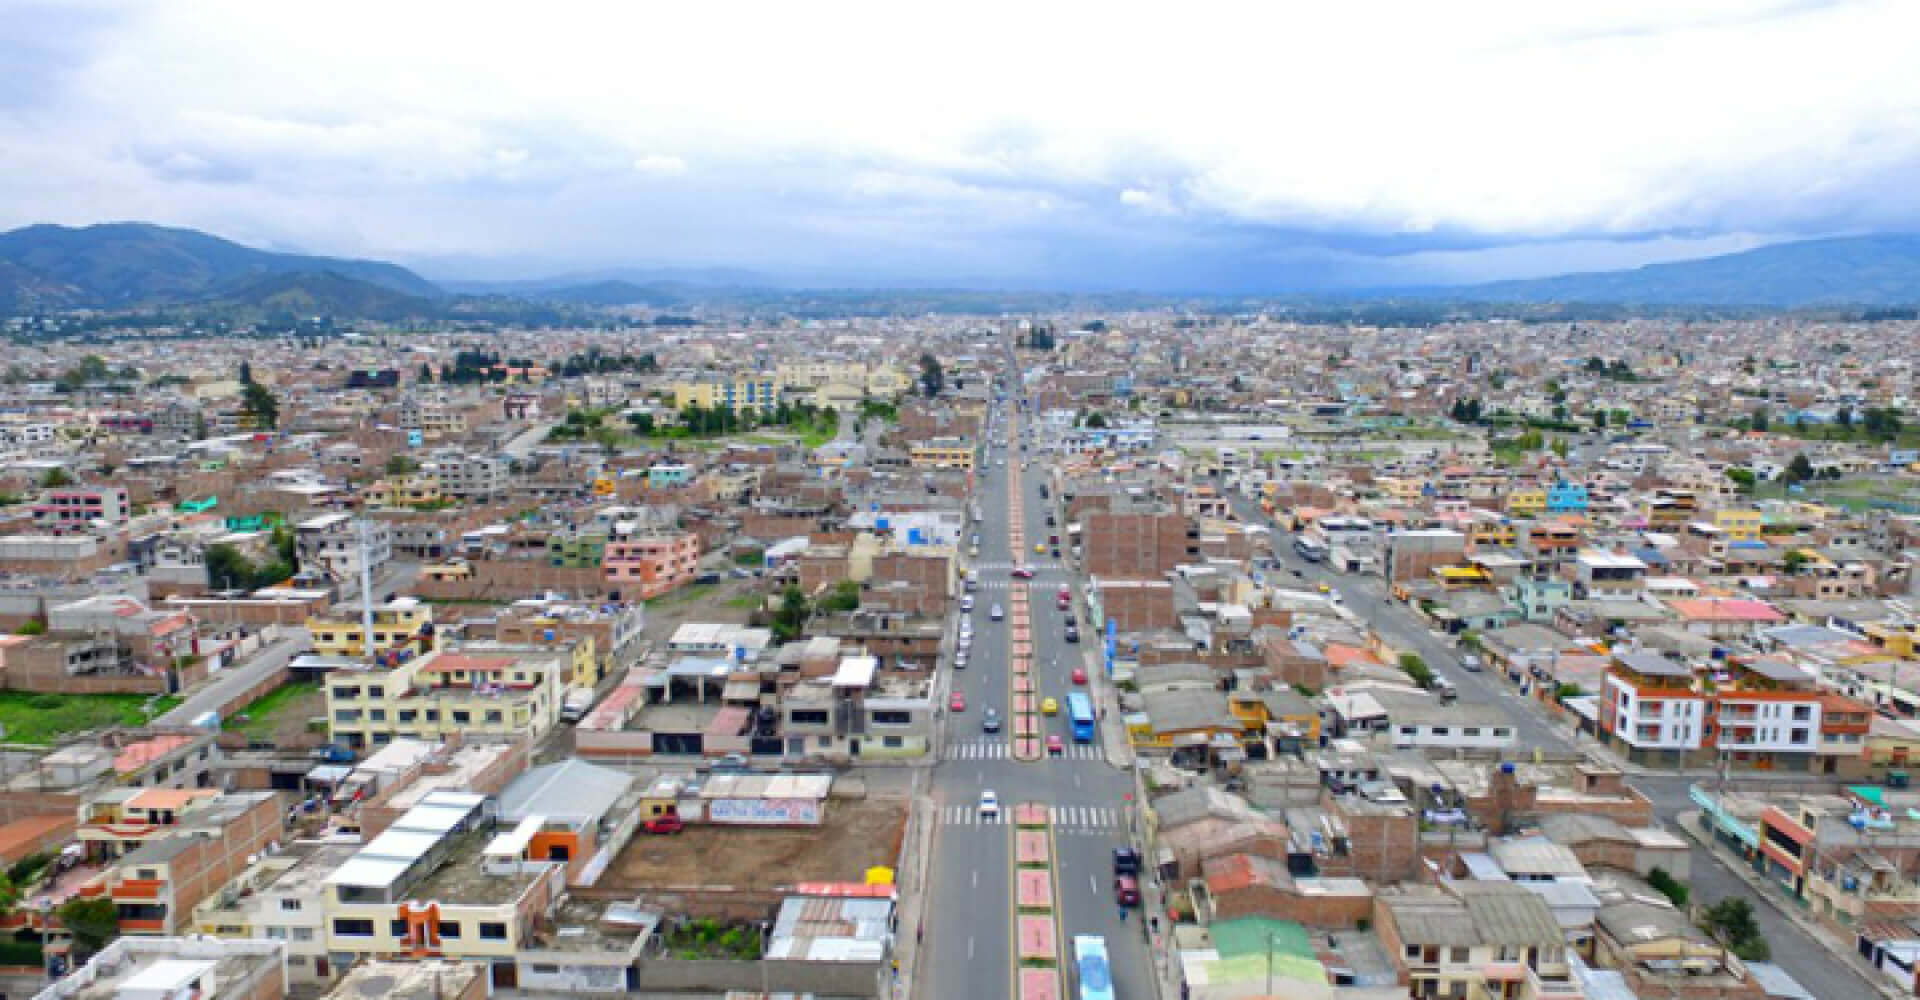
(56, 478)
(33, 626)
(93, 921)
(1795, 560)
(1742, 477)
(1417, 669)
(246, 373)
(1732, 923)
(642, 423)
(845, 597)
(1799, 470)
(1759, 421)
(200, 427)
(1844, 417)
(932, 377)
(791, 619)
(401, 465)
(1097, 421)
(1669, 886)
(1600, 419)
(260, 402)
(426, 372)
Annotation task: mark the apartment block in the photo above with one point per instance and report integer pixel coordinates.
(1137, 545)
(488, 695)
(81, 508)
(646, 566)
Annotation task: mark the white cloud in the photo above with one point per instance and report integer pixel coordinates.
(1501, 117)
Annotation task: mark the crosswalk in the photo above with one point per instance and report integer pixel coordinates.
(1065, 819)
(1000, 750)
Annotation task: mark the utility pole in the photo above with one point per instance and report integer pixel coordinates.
(366, 592)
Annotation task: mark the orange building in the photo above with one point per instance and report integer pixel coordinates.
(647, 566)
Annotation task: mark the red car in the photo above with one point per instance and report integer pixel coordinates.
(958, 703)
(664, 824)
(1023, 573)
(1126, 889)
(1079, 675)
(1055, 747)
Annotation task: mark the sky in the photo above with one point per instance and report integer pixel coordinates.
(1274, 146)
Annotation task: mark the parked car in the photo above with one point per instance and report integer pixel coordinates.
(1126, 861)
(1073, 634)
(997, 613)
(1126, 889)
(990, 721)
(1471, 663)
(958, 702)
(1048, 706)
(1054, 746)
(1079, 675)
(989, 805)
(669, 823)
(732, 762)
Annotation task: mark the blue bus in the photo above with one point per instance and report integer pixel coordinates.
(1090, 961)
(1080, 710)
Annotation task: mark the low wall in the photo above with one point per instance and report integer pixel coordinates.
(838, 979)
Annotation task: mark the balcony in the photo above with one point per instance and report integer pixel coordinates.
(1553, 989)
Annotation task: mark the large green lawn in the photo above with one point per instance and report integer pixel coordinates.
(42, 719)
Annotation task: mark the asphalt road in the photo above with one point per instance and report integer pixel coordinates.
(970, 914)
(209, 697)
(1818, 969)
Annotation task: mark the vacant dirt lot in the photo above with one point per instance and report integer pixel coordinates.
(856, 836)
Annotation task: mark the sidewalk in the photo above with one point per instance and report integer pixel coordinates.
(910, 909)
(1689, 823)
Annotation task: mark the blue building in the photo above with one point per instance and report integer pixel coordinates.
(1567, 498)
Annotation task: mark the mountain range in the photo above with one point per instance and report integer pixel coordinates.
(136, 265)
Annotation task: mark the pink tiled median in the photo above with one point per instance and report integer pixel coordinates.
(1036, 939)
(1030, 847)
(1039, 984)
(1030, 814)
(1036, 889)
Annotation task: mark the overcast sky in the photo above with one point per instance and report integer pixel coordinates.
(1267, 145)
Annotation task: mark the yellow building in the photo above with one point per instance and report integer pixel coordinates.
(1739, 525)
(479, 691)
(943, 453)
(1401, 489)
(1529, 501)
(396, 624)
(405, 491)
(743, 391)
(1492, 531)
(1892, 638)
(1284, 714)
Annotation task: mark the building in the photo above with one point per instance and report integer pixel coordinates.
(499, 694)
(402, 623)
(436, 885)
(1137, 545)
(278, 898)
(469, 477)
(737, 392)
(1650, 711)
(1474, 939)
(169, 849)
(331, 543)
(147, 968)
(82, 508)
(942, 453)
(646, 566)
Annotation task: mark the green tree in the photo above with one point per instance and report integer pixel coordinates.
(56, 478)
(1732, 923)
(791, 619)
(1417, 669)
(1097, 420)
(1742, 477)
(1799, 470)
(1600, 419)
(33, 626)
(1668, 886)
(93, 921)
(845, 597)
(401, 465)
(1795, 560)
(1844, 417)
(1759, 421)
(426, 372)
(260, 402)
(246, 373)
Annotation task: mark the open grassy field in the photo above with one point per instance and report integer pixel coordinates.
(42, 719)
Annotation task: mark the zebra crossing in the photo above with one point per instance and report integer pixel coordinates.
(1001, 750)
(1065, 819)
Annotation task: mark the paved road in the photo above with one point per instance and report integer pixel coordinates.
(209, 697)
(969, 923)
(1814, 966)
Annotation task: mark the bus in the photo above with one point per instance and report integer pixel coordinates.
(1090, 962)
(1080, 710)
(1309, 549)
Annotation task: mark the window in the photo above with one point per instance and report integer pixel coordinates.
(461, 718)
(543, 970)
(1459, 956)
(433, 715)
(290, 904)
(1501, 732)
(398, 928)
(376, 691)
(1800, 736)
(1413, 951)
(346, 692)
(377, 715)
(490, 931)
(1408, 731)
(448, 928)
(303, 933)
(345, 927)
(277, 933)
(892, 742)
(1441, 731)
(148, 874)
(892, 718)
(1802, 713)
(494, 716)
(409, 714)
(1470, 731)
(806, 717)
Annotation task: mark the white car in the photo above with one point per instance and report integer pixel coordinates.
(966, 603)
(989, 805)
(996, 614)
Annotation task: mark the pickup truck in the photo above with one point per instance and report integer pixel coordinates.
(576, 705)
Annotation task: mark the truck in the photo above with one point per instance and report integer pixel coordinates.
(576, 703)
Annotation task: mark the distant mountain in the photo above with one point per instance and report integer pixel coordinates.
(1851, 270)
(321, 293)
(124, 264)
(700, 277)
(607, 293)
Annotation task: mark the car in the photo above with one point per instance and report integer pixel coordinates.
(958, 702)
(997, 613)
(989, 805)
(966, 603)
(1048, 706)
(1079, 675)
(732, 762)
(669, 823)
(1073, 634)
(1126, 889)
(1470, 663)
(1054, 746)
(1050, 522)
(990, 721)
(1324, 589)
(1070, 621)
(1023, 572)
(1126, 861)
(960, 660)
